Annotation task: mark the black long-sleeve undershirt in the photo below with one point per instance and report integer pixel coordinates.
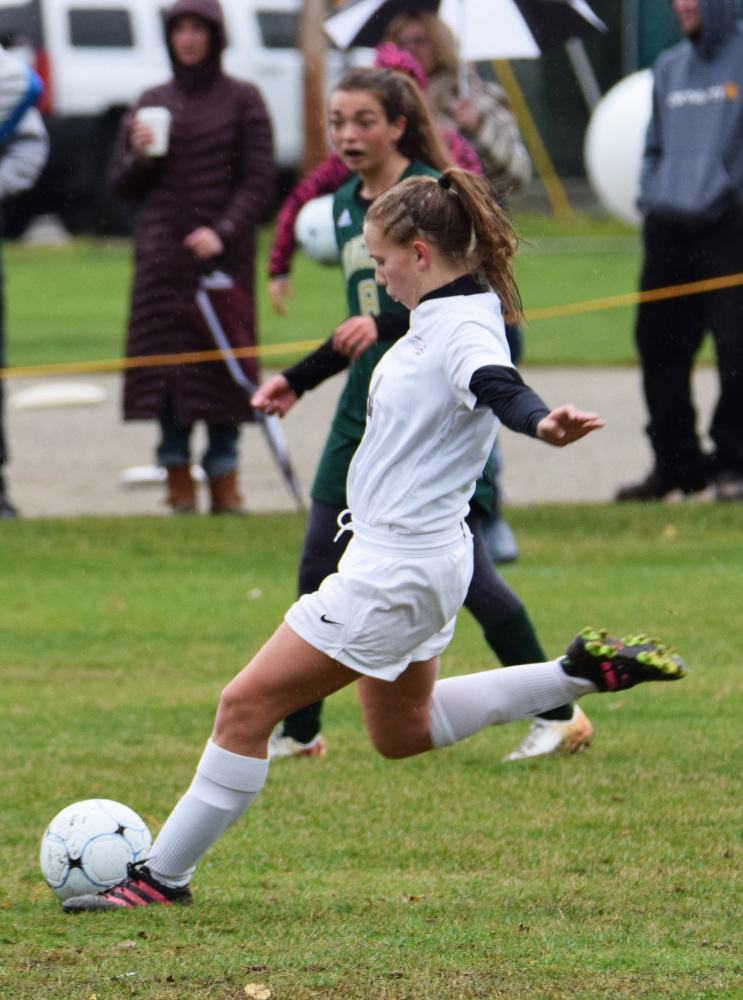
(517, 406)
(315, 368)
(325, 362)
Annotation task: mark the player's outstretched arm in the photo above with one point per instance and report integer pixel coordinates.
(275, 396)
(566, 424)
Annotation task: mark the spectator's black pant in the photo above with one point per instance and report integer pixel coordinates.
(669, 333)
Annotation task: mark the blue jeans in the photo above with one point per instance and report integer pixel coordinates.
(174, 448)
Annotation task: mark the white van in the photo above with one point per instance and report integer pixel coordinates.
(97, 56)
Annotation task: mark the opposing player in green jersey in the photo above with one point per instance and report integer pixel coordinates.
(380, 125)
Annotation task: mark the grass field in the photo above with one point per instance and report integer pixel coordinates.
(69, 304)
(615, 874)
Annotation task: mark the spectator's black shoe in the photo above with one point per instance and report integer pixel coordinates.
(618, 664)
(655, 486)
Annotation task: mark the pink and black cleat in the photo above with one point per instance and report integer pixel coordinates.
(139, 888)
(618, 664)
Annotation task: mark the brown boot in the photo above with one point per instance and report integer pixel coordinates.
(226, 497)
(181, 490)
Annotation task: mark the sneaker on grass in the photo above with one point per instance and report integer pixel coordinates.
(554, 736)
(618, 664)
(286, 746)
(139, 888)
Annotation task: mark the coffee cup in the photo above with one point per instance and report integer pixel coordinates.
(158, 120)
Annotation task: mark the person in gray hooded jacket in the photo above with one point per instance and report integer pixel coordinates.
(692, 201)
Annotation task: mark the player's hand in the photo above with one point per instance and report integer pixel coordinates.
(354, 335)
(204, 243)
(566, 424)
(275, 396)
(280, 291)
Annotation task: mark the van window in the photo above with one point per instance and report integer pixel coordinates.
(92, 28)
(279, 28)
(20, 23)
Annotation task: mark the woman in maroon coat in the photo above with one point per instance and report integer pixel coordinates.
(199, 207)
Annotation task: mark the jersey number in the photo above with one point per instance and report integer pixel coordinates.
(368, 297)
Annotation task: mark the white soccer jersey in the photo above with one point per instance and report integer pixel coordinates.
(426, 440)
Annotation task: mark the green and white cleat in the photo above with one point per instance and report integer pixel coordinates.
(286, 746)
(617, 664)
(553, 737)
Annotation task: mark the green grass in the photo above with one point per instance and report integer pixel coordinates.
(70, 304)
(554, 279)
(614, 874)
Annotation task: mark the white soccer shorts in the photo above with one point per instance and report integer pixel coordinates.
(393, 601)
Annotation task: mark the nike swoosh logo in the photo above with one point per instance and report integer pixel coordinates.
(329, 621)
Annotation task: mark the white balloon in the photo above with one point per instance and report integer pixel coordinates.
(614, 144)
(315, 231)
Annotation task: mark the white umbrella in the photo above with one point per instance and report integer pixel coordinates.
(469, 23)
(485, 29)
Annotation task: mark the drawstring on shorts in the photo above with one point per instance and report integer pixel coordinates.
(344, 526)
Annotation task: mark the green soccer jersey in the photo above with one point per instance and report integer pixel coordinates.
(365, 298)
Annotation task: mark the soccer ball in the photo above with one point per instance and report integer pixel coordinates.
(315, 230)
(88, 845)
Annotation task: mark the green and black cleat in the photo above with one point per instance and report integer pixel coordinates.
(618, 664)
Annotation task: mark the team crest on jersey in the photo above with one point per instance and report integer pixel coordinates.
(356, 256)
(417, 343)
(344, 219)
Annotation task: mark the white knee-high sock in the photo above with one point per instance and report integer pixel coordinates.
(223, 788)
(461, 706)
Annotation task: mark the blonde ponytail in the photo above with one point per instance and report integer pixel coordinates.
(461, 216)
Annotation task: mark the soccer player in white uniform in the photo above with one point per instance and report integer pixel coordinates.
(443, 249)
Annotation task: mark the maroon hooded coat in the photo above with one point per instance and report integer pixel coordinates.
(219, 172)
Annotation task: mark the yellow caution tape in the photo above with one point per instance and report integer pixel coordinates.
(303, 346)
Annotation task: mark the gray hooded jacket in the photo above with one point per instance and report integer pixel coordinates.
(692, 170)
